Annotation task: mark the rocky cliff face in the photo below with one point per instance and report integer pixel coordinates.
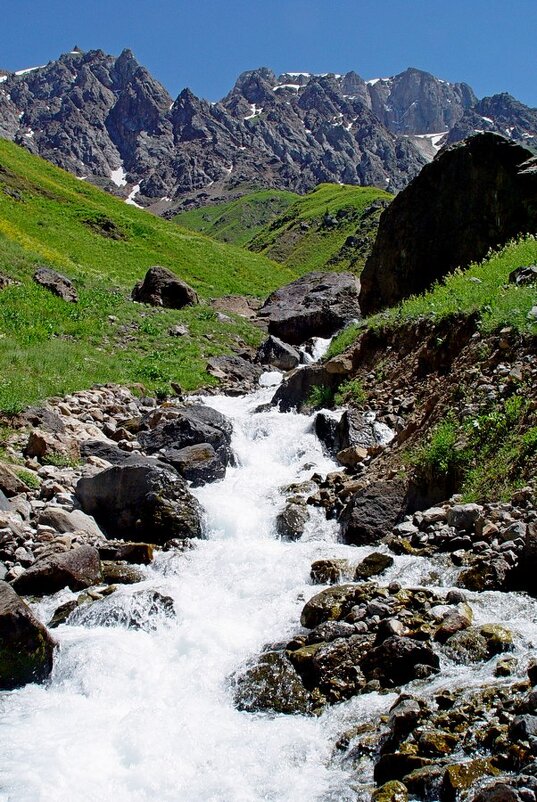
(474, 196)
(106, 119)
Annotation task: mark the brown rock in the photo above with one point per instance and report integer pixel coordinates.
(77, 569)
(161, 287)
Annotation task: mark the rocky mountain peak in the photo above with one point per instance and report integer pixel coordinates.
(106, 119)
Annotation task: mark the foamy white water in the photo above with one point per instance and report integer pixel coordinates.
(134, 716)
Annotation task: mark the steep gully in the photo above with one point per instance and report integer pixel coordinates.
(135, 715)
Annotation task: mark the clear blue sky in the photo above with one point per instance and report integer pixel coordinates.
(205, 44)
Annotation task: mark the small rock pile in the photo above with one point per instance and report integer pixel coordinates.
(482, 741)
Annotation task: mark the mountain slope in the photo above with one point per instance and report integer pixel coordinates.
(104, 246)
(240, 220)
(332, 227)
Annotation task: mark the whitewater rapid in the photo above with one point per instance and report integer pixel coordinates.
(135, 716)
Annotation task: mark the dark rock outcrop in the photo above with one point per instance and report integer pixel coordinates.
(161, 287)
(141, 500)
(26, 648)
(56, 284)
(315, 305)
(474, 196)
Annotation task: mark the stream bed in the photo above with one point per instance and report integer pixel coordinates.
(147, 716)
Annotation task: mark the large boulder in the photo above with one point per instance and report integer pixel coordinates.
(56, 284)
(141, 500)
(161, 287)
(26, 648)
(474, 196)
(77, 569)
(316, 305)
(372, 513)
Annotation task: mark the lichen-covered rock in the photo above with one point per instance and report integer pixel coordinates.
(327, 605)
(26, 648)
(329, 571)
(393, 791)
(395, 661)
(459, 777)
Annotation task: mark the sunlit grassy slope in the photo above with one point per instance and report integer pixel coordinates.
(331, 227)
(47, 346)
(240, 220)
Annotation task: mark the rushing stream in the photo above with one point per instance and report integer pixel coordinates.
(147, 716)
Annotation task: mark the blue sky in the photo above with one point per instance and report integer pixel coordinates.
(205, 44)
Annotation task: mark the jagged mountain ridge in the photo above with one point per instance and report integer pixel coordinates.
(107, 119)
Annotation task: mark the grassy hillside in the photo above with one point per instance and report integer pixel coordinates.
(332, 227)
(238, 221)
(47, 346)
(483, 288)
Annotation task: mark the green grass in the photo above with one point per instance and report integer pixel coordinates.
(488, 456)
(49, 347)
(483, 288)
(351, 392)
(238, 221)
(312, 233)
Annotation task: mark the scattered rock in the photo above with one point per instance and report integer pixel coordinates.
(145, 610)
(278, 354)
(161, 287)
(373, 565)
(372, 513)
(271, 684)
(198, 464)
(290, 523)
(57, 284)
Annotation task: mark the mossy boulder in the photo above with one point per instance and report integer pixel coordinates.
(26, 647)
(499, 639)
(328, 605)
(393, 791)
(459, 777)
(373, 565)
